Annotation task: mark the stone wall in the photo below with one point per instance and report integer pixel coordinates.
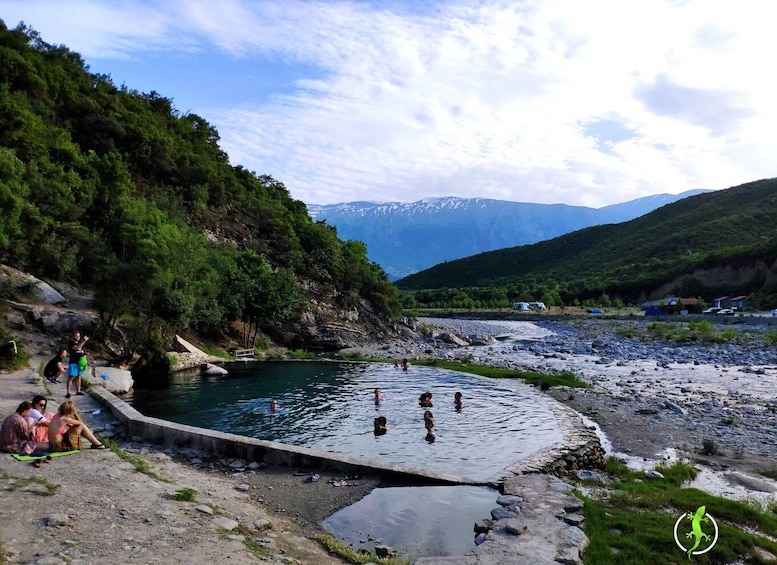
(580, 450)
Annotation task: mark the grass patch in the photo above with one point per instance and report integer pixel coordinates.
(348, 553)
(220, 352)
(702, 331)
(769, 473)
(255, 547)
(298, 354)
(544, 381)
(538, 379)
(140, 465)
(184, 495)
(632, 522)
(32, 485)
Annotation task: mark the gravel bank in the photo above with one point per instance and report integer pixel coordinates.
(652, 399)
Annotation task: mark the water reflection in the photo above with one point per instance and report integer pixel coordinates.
(333, 406)
(418, 521)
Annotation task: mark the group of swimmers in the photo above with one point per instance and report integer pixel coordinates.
(425, 401)
(405, 364)
(31, 430)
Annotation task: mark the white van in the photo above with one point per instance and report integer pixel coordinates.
(522, 306)
(537, 306)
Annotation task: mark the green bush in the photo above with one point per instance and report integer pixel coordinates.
(12, 353)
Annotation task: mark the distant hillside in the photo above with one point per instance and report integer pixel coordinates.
(731, 232)
(407, 237)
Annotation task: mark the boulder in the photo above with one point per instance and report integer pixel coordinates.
(42, 290)
(213, 370)
(453, 339)
(117, 381)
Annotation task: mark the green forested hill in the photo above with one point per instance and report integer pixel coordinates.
(727, 229)
(114, 189)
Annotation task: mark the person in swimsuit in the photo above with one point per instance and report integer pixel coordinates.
(67, 429)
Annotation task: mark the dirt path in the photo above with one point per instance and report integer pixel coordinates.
(93, 507)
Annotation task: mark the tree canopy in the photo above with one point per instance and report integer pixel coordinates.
(111, 188)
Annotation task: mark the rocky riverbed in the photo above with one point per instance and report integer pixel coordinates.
(715, 403)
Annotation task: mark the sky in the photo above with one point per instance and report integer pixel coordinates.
(549, 101)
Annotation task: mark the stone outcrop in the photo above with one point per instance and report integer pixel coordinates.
(117, 381)
(326, 327)
(186, 356)
(536, 523)
(42, 290)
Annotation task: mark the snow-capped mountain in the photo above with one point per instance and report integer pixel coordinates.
(406, 237)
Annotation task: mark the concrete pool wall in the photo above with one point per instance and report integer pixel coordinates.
(581, 448)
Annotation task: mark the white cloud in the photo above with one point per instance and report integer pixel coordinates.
(493, 99)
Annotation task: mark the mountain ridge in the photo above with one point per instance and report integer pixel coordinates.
(668, 250)
(407, 237)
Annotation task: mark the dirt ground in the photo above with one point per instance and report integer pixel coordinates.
(93, 507)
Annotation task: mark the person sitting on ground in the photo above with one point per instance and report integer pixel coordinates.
(39, 419)
(55, 368)
(380, 425)
(66, 430)
(16, 435)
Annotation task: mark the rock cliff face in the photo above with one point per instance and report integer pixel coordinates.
(326, 327)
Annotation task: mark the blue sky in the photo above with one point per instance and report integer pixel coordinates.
(549, 101)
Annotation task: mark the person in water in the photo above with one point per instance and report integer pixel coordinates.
(378, 396)
(405, 364)
(425, 400)
(380, 425)
(274, 406)
(457, 401)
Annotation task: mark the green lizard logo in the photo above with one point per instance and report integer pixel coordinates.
(696, 532)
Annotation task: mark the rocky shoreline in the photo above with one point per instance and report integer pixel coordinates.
(650, 399)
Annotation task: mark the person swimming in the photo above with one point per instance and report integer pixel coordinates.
(457, 401)
(380, 425)
(425, 400)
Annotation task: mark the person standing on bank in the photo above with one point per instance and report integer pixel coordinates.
(74, 370)
(56, 367)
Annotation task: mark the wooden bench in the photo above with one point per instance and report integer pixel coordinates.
(238, 353)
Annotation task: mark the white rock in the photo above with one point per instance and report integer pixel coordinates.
(117, 381)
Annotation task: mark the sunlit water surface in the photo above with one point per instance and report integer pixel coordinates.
(330, 407)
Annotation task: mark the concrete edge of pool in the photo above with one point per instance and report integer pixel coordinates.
(581, 448)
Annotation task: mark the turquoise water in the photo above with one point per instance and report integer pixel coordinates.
(330, 407)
